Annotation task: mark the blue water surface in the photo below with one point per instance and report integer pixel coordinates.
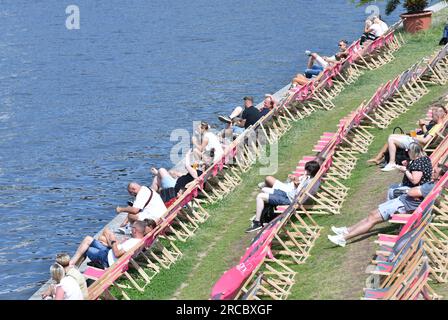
(83, 112)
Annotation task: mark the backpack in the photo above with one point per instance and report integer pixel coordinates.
(268, 214)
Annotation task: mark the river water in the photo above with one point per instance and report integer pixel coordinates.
(83, 112)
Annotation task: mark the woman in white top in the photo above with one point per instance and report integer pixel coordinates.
(210, 143)
(372, 31)
(66, 288)
(383, 25)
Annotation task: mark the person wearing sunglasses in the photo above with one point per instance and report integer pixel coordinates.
(317, 63)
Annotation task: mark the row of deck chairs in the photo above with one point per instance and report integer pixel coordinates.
(158, 250)
(399, 94)
(295, 231)
(319, 93)
(406, 261)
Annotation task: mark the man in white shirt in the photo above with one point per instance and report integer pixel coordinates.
(104, 255)
(147, 205)
(383, 25)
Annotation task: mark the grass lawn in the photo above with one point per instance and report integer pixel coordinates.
(330, 273)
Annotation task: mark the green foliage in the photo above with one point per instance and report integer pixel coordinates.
(411, 6)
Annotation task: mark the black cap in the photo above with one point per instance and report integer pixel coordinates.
(248, 98)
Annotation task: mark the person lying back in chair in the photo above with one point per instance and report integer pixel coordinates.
(404, 141)
(406, 203)
(106, 255)
(278, 193)
(317, 64)
(172, 188)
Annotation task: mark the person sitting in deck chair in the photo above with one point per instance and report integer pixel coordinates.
(207, 146)
(383, 25)
(299, 81)
(406, 203)
(404, 141)
(163, 178)
(317, 64)
(280, 193)
(63, 259)
(147, 205)
(175, 187)
(373, 30)
(241, 119)
(269, 103)
(417, 172)
(106, 255)
(66, 287)
(426, 127)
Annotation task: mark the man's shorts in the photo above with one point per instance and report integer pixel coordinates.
(168, 182)
(404, 142)
(97, 252)
(237, 130)
(388, 208)
(279, 198)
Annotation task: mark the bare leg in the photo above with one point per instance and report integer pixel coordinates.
(155, 185)
(197, 155)
(85, 244)
(364, 225)
(236, 112)
(269, 181)
(377, 159)
(392, 141)
(262, 198)
(103, 240)
(300, 79)
(311, 61)
(132, 218)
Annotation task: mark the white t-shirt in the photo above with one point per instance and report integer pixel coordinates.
(384, 27)
(72, 291)
(376, 30)
(213, 143)
(304, 181)
(126, 246)
(155, 208)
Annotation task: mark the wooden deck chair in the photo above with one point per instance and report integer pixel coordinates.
(294, 241)
(251, 292)
(277, 283)
(431, 145)
(415, 287)
(400, 285)
(436, 246)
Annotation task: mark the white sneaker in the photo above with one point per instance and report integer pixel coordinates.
(337, 240)
(308, 52)
(125, 230)
(389, 167)
(339, 231)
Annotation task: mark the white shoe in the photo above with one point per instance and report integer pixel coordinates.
(337, 240)
(339, 231)
(308, 52)
(125, 230)
(389, 167)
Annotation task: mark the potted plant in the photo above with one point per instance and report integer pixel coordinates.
(415, 19)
